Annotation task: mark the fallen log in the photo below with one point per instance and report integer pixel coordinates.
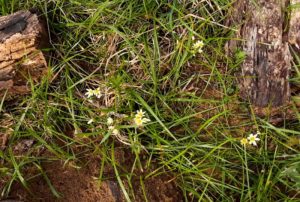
(22, 36)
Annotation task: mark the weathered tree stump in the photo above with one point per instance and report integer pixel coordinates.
(21, 60)
(264, 30)
(294, 29)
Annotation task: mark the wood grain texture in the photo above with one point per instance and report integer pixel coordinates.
(294, 30)
(21, 59)
(264, 39)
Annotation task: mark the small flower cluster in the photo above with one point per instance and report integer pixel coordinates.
(114, 129)
(96, 92)
(139, 119)
(251, 139)
(197, 46)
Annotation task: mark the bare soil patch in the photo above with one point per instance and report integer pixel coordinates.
(81, 184)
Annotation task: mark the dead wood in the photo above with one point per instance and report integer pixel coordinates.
(294, 29)
(264, 37)
(268, 32)
(21, 60)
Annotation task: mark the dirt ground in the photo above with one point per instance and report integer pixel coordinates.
(81, 184)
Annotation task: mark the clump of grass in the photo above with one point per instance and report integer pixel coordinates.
(145, 55)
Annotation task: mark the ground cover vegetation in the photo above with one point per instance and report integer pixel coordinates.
(145, 90)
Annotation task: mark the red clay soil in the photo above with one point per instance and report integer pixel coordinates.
(81, 185)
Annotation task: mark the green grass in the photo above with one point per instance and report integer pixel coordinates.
(140, 54)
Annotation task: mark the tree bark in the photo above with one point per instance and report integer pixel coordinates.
(264, 38)
(21, 60)
(294, 29)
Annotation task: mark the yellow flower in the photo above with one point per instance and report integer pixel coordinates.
(138, 121)
(244, 142)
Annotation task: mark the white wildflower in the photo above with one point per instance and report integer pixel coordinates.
(139, 119)
(90, 121)
(140, 113)
(89, 93)
(110, 121)
(115, 132)
(253, 139)
(197, 46)
(111, 127)
(97, 92)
